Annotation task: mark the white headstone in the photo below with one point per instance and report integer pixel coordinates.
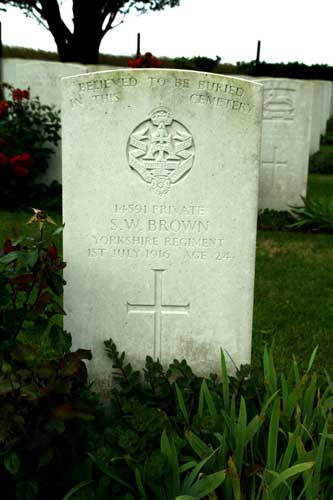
(44, 80)
(160, 174)
(285, 142)
(316, 117)
(325, 105)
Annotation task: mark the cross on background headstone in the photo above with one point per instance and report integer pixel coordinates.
(157, 309)
(274, 164)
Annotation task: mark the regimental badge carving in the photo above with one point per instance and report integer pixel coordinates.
(161, 150)
(279, 104)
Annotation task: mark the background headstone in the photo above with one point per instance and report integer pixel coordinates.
(316, 117)
(44, 80)
(285, 143)
(160, 186)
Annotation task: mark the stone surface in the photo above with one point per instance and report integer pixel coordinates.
(160, 180)
(325, 104)
(44, 80)
(316, 117)
(285, 142)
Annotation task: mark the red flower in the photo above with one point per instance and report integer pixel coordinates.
(2, 142)
(27, 160)
(20, 171)
(131, 63)
(3, 159)
(24, 160)
(19, 94)
(4, 105)
(138, 62)
(52, 252)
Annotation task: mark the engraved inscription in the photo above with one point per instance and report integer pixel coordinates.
(161, 150)
(206, 92)
(157, 309)
(273, 165)
(159, 231)
(279, 104)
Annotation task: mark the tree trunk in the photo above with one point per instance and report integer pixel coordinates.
(79, 49)
(81, 46)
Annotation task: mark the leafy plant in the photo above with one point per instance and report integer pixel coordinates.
(273, 220)
(46, 404)
(28, 132)
(315, 215)
(237, 437)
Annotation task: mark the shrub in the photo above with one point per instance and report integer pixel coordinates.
(315, 215)
(234, 437)
(273, 220)
(46, 404)
(28, 132)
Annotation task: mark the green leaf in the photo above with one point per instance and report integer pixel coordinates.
(225, 383)
(273, 435)
(12, 463)
(139, 484)
(318, 463)
(168, 449)
(188, 482)
(199, 446)
(9, 257)
(59, 230)
(209, 400)
(108, 472)
(29, 258)
(240, 435)
(290, 472)
(186, 497)
(77, 488)
(60, 340)
(182, 405)
(207, 484)
(312, 358)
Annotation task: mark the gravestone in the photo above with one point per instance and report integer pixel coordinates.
(316, 117)
(285, 146)
(325, 104)
(44, 80)
(160, 179)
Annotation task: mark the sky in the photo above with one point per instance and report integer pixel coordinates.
(289, 30)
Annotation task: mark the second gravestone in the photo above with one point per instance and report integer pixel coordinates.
(160, 180)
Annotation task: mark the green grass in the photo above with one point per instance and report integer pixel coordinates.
(294, 296)
(320, 186)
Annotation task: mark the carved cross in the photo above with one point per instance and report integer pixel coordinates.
(274, 164)
(158, 309)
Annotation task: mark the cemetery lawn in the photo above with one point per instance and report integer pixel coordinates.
(12, 222)
(293, 304)
(320, 186)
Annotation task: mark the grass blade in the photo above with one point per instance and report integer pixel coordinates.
(77, 488)
(182, 405)
(225, 383)
(273, 436)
